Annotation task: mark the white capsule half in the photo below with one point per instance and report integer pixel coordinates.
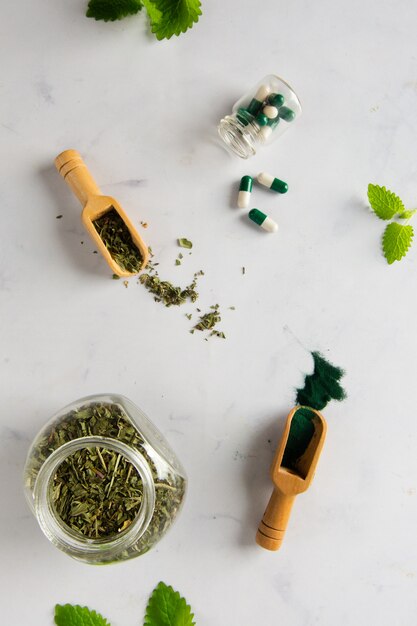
(243, 199)
(270, 112)
(269, 225)
(262, 93)
(265, 179)
(265, 132)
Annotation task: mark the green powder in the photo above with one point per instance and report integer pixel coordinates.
(322, 385)
(300, 435)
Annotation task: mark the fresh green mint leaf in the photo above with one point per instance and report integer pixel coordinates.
(74, 615)
(172, 17)
(384, 203)
(111, 10)
(167, 608)
(405, 215)
(396, 241)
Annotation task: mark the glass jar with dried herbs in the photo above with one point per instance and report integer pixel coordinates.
(102, 481)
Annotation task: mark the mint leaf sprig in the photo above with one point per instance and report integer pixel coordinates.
(167, 17)
(397, 237)
(165, 608)
(75, 615)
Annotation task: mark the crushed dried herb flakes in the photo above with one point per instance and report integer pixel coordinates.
(185, 243)
(169, 294)
(209, 320)
(97, 492)
(117, 238)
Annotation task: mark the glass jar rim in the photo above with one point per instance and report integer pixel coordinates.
(62, 535)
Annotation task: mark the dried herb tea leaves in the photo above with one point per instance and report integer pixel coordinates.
(169, 294)
(97, 492)
(209, 320)
(110, 420)
(117, 238)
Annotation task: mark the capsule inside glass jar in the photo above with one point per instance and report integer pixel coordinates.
(260, 116)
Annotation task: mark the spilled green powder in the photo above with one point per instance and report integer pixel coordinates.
(322, 385)
(300, 435)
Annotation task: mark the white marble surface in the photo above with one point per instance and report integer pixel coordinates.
(143, 114)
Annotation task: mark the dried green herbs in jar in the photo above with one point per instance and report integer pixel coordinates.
(102, 482)
(97, 492)
(117, 238)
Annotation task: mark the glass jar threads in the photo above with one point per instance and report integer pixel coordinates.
(260, 116)
(102, 481)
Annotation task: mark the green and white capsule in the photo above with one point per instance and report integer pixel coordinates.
(263, 220)
(245, 191)
(258, 99)
(272, 183)
(266, 131)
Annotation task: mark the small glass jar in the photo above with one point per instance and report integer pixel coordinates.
(103, 427)
(260, 116)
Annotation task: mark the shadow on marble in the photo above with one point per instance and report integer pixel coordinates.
(72, 231)
(258, 483)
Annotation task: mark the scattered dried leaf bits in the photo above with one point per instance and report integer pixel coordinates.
(169, 294)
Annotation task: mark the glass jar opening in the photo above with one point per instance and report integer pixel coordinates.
(65, 537)
(236, 137)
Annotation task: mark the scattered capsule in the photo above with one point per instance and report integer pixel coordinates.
(286, 114)
(276, 99)
(245, 190)
(262, 119)
(270, 112)
(258, 99)
(263, 220)
(272, 183)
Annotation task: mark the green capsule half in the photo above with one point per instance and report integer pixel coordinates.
(244, 116)
(286, 114)
(254, 106)
(257, 216)
(276, 99)
(246, 183)
(262, 119)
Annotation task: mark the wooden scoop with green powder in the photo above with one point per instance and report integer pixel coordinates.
(299, 450)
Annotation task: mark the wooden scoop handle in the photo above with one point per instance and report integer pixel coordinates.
(76, 174)
(271, 530)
